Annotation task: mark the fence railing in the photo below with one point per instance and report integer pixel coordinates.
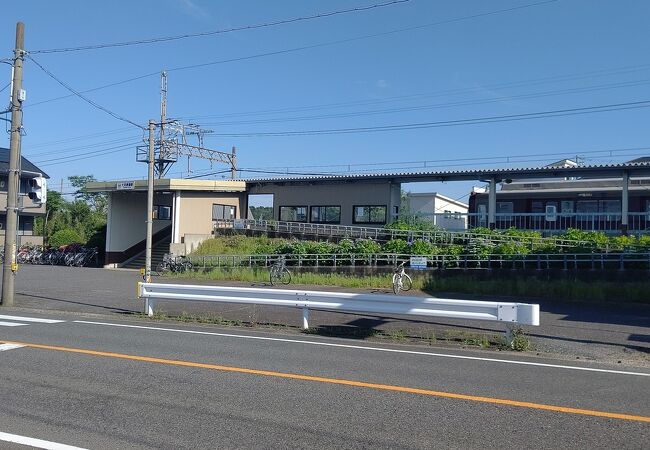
(508, 312)
(379, 234)
(558, 222)
(561, 261)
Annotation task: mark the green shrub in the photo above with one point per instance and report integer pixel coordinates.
(366, 247)
(420, 247)
(64, 237)
(395, 246)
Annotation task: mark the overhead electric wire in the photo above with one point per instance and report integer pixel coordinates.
(507, 158)
(228, 30)
(6, 86)
(297, 49)
(437, 106)
(443, 93)
(86, 99)
(32, 155)
(75, 158)
(448, 123)
(80, 138)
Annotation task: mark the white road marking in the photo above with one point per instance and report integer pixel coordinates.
(11, 324)
(377, 349)
(30, 319)
(5, 347)
(37, 443)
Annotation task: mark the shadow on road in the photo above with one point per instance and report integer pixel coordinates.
(103, 307)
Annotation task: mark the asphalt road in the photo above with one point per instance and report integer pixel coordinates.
(602, 332)
(96, 383)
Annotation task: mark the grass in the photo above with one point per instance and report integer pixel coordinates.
(562, 289)
(235, 245)
(530, 287)
(260, 275)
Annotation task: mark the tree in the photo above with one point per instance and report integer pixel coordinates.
(97, 200)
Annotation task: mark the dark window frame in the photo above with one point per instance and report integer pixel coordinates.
(294, 206)
(369, 222)
(234, 215)
(311, 214)
(156, 212)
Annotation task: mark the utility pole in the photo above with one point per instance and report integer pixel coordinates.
(9, 265)
(233, 164)
(150, 163)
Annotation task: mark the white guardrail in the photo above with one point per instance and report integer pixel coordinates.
(507, 312)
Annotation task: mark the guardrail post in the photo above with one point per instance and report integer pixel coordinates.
(305, 318)
(510, 334)
(566, 267)
(149, 304)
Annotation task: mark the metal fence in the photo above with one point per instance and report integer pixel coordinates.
(379, 234)
(561, 261)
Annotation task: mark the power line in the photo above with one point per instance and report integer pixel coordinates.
(449, 92)
(228, 30)
(297, 49)
(80, 138)
(439, 105)
(75, 158)
(449, 123)
(6, 86)
(86, 99)
(82, 147)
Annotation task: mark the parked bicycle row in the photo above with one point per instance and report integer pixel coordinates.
(66, 255)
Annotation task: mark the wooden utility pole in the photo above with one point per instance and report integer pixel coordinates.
(9, 266)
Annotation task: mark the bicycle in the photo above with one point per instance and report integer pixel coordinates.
(278, 273)
(174, 264)
(401, 280)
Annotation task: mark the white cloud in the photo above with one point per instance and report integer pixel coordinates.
(190, 8)
(382, 84)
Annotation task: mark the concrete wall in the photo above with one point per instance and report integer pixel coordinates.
(195, 210)
(343, 194)
(128, 216)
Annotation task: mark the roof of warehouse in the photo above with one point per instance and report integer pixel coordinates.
(602, 170)
(25, 164)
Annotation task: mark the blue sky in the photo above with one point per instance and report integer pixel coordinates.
(551, 56)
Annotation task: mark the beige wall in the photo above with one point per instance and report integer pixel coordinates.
(196, 210)
(343, 194)
(128, 217)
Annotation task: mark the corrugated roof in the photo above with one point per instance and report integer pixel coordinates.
(25, 164)
(606, 170)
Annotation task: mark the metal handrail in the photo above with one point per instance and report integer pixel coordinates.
(564, 261)
(382, 234)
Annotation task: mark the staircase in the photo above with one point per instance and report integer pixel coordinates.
(158, 250)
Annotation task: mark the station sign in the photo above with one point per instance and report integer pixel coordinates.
(125, 185)
(418, 262)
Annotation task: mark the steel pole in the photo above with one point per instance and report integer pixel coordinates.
(9, 266)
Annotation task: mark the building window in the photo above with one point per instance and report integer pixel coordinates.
(161, 212)
(537, 207)
(369, 214)
(567, 206)
(610, 206)
(587, 206)
(223, 212)
(326, 214)
(504, 209)
(293, 213)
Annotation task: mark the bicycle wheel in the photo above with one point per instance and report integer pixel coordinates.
(285, 276)
(407, 283)
(162, 268)
(397, 283)
(273, 276)
(187, 266)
